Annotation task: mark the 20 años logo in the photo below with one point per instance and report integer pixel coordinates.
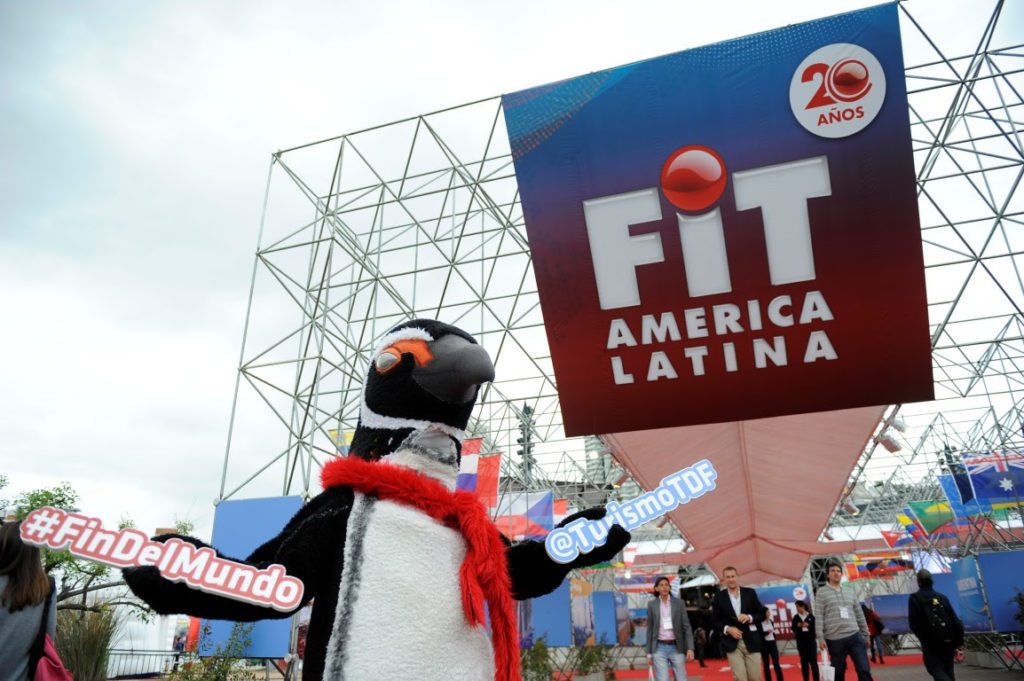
(837, 90)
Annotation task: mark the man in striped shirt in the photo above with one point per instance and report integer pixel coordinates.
(841, 627)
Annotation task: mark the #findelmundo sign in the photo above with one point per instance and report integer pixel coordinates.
(563, 544)
(729, 232)
(178, 561)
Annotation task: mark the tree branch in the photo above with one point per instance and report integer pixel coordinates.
(63, 595)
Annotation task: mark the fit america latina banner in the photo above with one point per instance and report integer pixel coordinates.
(729, 232)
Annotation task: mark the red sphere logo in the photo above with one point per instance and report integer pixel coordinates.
(849, 80)
(693, 177)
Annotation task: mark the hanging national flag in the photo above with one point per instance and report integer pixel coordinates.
(962, 505)
(525, 515)
(480, 474)
(910, 525)
(472, 445)
(961, 489)
(877, 566)
(931, 515)
(1001, 489)
(560, 510)
(997, 477)
(896, 538)
(964, 525)
(469, 468)
(342, 440)
(999, 462)
(637, 580)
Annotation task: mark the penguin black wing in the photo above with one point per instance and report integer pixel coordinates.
(533, 572)
(317, 528)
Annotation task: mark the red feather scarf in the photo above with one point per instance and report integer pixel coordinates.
(484, 572)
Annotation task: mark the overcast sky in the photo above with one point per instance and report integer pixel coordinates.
(136, 140)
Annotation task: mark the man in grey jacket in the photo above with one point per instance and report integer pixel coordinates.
(669, 636)
(841, 627)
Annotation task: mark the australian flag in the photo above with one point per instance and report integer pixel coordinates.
(997, 478)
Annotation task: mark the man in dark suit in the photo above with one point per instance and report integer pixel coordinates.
(735, 615)
(669, 636)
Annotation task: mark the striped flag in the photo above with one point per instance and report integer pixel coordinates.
(910, 525)
(479, 473)
(525, 515)
(896, 538)
(342, 439)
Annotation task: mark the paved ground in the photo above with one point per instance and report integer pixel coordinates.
(898, 668)
(963, 673)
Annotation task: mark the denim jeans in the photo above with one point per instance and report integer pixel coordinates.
(853, 646)
(877, 648)
(664, 655)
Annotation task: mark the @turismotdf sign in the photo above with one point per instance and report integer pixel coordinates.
(200, 568)
(563, 544)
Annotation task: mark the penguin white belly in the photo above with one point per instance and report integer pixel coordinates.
(400, 612)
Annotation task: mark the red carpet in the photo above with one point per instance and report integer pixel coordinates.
(718, 670)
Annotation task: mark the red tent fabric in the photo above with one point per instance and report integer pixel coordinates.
(779, 480)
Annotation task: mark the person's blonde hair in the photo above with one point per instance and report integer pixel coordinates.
(27, 583)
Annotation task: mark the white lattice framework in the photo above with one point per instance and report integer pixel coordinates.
(967, 120)
(421, 218)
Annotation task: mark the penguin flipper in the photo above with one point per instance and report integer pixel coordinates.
(168, 598)
(298, 547)
(534, 573)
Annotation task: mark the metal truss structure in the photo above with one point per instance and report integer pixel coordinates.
(967, 123)
(421, 218)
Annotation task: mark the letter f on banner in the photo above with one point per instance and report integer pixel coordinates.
(616, 254)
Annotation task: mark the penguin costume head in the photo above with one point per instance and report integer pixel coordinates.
(423, 374)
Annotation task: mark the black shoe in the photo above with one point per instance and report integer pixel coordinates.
(872, 659)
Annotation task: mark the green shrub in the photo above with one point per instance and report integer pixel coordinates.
(536, 662)
(83, 641)
(221, 664)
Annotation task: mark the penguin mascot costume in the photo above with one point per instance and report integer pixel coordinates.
(398, 563)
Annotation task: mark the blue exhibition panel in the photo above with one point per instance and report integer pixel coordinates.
(974, 612)
(622, 618)
(638, 618)
(1002, 575)
(239, 528)
(551, 619)
(893, 610)
(945, 583)
(605, 625)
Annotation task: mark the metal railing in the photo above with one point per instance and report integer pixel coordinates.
(140, 664)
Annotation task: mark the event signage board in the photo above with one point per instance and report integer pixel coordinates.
(781, 604)
(892, 608)
(729, 232)
(1001, 572)
(974, 611)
